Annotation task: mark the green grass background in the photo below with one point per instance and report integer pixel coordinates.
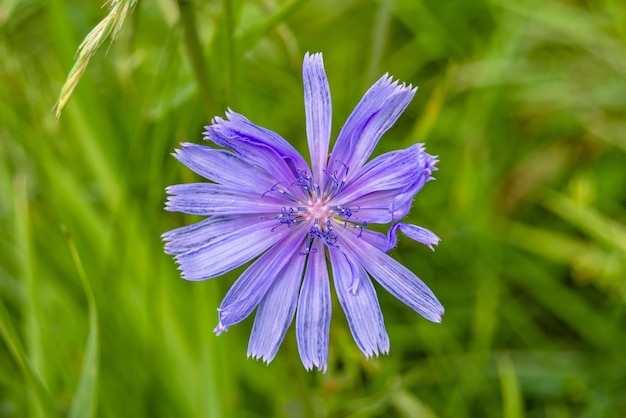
(523, 101)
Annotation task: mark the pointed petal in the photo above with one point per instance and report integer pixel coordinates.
(276, 311)
(383, 207)
(377, 111)
(318, 108)
(257, 146)
(384, 189)
(416, 233)
(224, 245)
(254, 283)
(314, 310)
(221, 166)
(375, 208)
(207, 199)
(393, 276)
(396, 170)
(187, 238)
(358, 299)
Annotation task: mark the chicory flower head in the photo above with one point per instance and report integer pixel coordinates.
(264, 201)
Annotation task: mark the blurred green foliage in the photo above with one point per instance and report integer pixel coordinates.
(524, 102)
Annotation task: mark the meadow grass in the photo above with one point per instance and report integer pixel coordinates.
(524, 103)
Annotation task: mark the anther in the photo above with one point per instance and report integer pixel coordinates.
(333, 185)
(285, 217)
(346, 213)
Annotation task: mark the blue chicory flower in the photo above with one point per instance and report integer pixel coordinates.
(263, 201)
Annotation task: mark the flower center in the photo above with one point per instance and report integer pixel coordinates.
(317, 209)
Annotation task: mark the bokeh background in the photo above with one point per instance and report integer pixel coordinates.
(523, 101)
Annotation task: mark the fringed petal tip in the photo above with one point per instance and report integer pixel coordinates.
(216, 121)
(220, 328)
(263, 357)
(376, 348)
(187, 150)
(169, 205)
(186, 276)
(377, 352)
(434, 313)
(166, 237)
(310, 58)
(416, 233)
(184, 146)
(388, 80)
(432, 310)
(175, 189)
(377, 111)
(309, 366)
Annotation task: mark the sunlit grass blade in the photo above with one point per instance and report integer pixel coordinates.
(410, 406)
(566, 304)
(589, 261)
(30, 359)
(85, 398)
(512, 403)
(608, 231)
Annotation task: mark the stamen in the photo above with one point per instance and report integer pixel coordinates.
(344, 166)
(305, 182)
(309, 242)
(333, 186)
(361, 227)
(332, 181)
(330, 238)
(273, 189)
(285, 217)
(315, 209)
(283, 192)
(345, 213)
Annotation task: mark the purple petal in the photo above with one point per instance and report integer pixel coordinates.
(187, 238)
(358, 299)
(314, 310)
(381, 207)
(416, 233)
(377, 111)
(393, 276)
(373, 209)
(276, 311)
(221, 166)
(396, 170)
(318, 109)
(384, 189)
(224, 243)
(257, 146)
(217, 199)
(253, 284)
(375, 238)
